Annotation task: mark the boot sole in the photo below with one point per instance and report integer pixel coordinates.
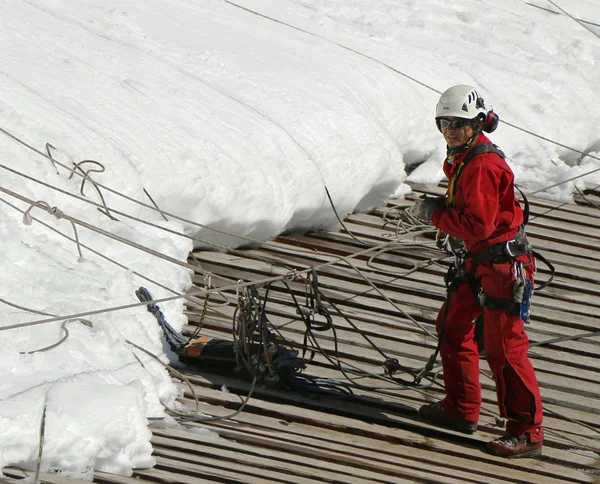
(450, 426)
(529, 453)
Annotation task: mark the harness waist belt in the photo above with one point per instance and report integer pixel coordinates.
(505, 250)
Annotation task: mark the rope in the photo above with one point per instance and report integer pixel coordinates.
(567, 203)
(62, 327)
(558, 13)
(197, 291)
(118, 193)
(171, 370)
(27, 220)
(174, 339)
(565, 338)
(75, 221)
(23, 308)
(340, 220)
(62, 340)
(245, 354)
(163, 213)
(48, 146)
(336, 361)
(590, 202)
(77, 166)
(565, 181)
(410, 78)
(159, 227)
(416, 267)
(38, 466)
(333, 42)
(157, 208)
(190, 299)
(309, 335)
(131, 217)
(394, 305)
(575, 19)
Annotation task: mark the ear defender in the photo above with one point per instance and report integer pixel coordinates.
(491, 122)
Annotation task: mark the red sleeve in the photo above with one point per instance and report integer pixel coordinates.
(477, 202)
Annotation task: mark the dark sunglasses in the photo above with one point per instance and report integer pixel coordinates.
(458, 123)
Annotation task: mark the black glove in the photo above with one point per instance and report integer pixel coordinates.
(424, 207)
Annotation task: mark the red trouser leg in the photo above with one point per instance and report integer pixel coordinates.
(460, 355)
(506, 346)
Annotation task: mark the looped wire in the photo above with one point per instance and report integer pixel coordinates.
(86, 176)
(58, 213)
(48, 146)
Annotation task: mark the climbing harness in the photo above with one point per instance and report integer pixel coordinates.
(519, 304)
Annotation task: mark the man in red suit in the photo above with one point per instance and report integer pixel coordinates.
(494, 278)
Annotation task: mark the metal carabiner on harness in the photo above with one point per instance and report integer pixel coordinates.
(522, 292)
(507, 248)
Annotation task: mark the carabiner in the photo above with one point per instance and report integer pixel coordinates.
(507, 248)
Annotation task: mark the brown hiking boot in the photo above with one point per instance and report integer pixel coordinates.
(512, 447)
(436, 413)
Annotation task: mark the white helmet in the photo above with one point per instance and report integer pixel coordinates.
(465, 102)
(462, 102)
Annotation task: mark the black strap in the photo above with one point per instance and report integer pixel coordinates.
(539, 256)
(480, 149)
(508, 305)
(526, 209)
(505, 251)
(473, 153)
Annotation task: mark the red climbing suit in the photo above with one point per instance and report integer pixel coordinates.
(485, 212)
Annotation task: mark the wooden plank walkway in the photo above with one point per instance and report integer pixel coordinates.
(302, 436)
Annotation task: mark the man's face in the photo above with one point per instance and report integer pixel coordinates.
(455, 136)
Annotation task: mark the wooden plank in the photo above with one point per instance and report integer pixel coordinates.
(395, 466)
(567, 371)
(424, 353)
(372, 301)
(175, 472)
(414, 349)
(408, 401)
(201, 462)
(545, 314)
(267, 459)
(427, 462)
(432, 285)
(401, 416)
(371, 424)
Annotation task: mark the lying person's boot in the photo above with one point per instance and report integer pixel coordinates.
(510, 446)
(436, 413)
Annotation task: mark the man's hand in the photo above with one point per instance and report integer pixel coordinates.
(424, 207)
